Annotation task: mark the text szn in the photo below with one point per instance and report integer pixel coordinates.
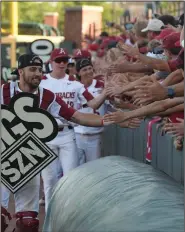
(25, 128)
(27, 157)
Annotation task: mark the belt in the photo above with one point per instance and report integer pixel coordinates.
(90, 134)
(62, 128)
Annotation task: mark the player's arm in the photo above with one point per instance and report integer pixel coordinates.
(84, 119)
(97, 101)
(60, 109)
(87, 99)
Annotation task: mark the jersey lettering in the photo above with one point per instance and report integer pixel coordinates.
(66, 95)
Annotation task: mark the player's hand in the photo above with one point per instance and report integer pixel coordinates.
(106, 123)
(116, 117)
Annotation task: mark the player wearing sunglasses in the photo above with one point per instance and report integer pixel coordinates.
(72, 92)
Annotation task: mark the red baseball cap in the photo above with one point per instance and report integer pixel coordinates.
(78, 53)
(93, 47)
(170, 40)
(164, 33)
(59, 53)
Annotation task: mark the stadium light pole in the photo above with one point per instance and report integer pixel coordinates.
(14, 18)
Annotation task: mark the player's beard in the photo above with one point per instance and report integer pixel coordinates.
(32, 82)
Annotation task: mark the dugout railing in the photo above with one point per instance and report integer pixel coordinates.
(133, 143)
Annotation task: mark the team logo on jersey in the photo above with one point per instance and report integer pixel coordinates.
(25, 129)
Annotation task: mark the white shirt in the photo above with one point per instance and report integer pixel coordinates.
(70, 91)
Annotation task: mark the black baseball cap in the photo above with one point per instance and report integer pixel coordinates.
(104, 33)
(82, 63)
(26, 60)
(181, 20)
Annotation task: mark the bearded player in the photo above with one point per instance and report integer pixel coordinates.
(27, 198)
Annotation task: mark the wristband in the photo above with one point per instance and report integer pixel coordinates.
(102, 122)
(171, 92)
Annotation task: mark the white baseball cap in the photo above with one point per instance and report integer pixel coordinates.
(153, 25)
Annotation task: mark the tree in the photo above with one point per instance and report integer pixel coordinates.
(34, 11)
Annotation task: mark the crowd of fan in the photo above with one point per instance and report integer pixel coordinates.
(143, 71)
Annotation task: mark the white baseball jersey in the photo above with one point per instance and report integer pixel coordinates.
(48, 100)
(68, 89)
(95, 89)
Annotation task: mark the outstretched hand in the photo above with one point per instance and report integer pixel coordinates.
(176, 129)
(151, 92)
(130, 50)
(131, 123)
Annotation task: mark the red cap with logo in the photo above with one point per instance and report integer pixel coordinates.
(59, 53)
(170, 40)
(164, 33)
(93, 47)
(78, 53)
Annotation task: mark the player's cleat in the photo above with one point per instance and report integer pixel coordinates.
(27, 222)
(42, 201)
(4, 214)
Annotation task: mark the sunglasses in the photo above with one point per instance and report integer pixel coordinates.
(61, 59)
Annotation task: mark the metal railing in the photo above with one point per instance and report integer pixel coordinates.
(133, 143)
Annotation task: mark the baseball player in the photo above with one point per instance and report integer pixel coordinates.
(84, 54)
(71, 91)
(30, 75)
(89, 139)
